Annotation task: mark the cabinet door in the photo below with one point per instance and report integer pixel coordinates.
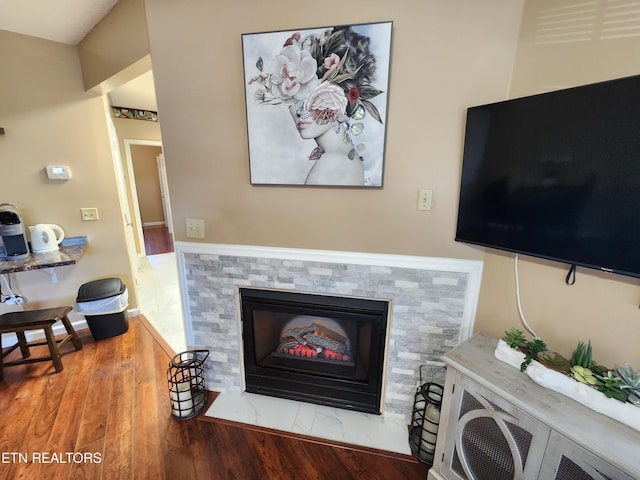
(490, 439)
(566, 460)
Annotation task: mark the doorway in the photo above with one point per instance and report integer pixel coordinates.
(149, 196)
(158, 285)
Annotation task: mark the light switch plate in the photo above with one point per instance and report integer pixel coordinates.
(89, 214)
(424, 199)
(195, 228)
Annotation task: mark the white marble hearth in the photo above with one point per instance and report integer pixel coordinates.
(327, 423)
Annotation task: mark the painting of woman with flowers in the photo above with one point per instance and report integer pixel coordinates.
(317, 104)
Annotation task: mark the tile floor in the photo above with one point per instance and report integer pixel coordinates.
(159, 298)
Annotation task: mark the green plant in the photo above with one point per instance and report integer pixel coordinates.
(514, 337)
(554, 361)
(598, 369)
(533, 347)
(582, 355)
(583, 375)
(610, 384)
(630, 383)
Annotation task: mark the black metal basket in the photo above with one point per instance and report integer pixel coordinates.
(425, 420)
(187, 389)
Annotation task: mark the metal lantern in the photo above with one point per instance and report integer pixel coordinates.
(425, 419)
(186, 383)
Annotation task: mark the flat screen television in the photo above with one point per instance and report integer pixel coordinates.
(557, 176)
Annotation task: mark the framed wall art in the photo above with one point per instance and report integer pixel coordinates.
(316, 103)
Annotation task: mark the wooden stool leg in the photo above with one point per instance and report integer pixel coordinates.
(53, 348)
(24, 347)
(71, 332)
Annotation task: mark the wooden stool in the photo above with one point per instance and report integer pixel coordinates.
(20, 322)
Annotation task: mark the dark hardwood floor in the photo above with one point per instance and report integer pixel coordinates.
(157, 240)
(107, 416)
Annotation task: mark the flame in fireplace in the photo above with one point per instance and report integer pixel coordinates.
(315, 337)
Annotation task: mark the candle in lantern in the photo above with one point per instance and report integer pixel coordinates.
(182, 401)
(194, 377)
(430, 428)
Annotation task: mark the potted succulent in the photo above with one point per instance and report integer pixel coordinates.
(612, 392)
(630, 383)
(514, 337)
(611, 385)
(581, 364)
(554, 361)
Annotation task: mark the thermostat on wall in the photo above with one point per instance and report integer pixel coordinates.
(58, 172)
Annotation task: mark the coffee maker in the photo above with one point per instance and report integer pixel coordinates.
(12, 233)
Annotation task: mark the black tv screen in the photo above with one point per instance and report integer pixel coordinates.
(557, 176)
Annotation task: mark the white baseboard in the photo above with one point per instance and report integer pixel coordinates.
(154, 224)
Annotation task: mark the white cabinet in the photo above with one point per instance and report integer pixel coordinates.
(566, 460)
(497, 424)
(489, 437)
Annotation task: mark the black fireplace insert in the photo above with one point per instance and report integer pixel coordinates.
(321, 349)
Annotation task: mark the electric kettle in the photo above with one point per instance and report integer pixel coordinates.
(45, 237)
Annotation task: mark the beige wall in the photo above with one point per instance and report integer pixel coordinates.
(117, 48)
(446, 55)
(49, 119)
(598, 307)
(128, 129)
(145, 168)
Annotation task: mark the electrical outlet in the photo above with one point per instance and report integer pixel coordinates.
(195, 228)
(424, 199)
(89, 214)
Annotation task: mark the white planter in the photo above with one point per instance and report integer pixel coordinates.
(623, 412)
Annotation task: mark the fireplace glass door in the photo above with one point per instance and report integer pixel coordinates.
(316, 348)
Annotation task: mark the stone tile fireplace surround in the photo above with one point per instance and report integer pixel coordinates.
(433, 304)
